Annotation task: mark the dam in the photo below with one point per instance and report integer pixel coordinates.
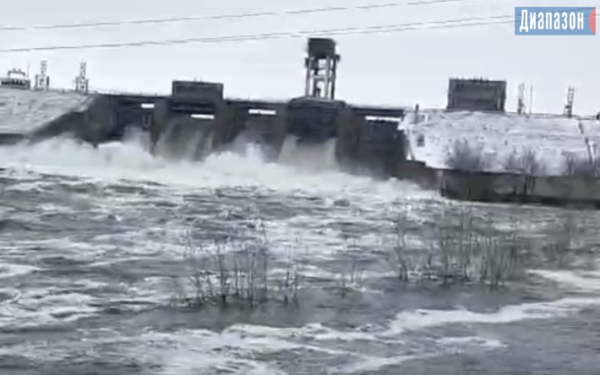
(197, 119)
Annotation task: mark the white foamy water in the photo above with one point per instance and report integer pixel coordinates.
(587, 281)
(472, 340)
(12, 270)
(581, 281)
(248, 340)
(122, 266)
(37, 309)
(421, 319)
(307, 157)
(130, 161)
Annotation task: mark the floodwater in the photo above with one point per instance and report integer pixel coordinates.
(91, 242)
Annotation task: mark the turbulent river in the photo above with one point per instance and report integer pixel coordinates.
(91, 241)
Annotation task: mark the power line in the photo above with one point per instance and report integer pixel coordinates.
(445, 24)
(455, 23)
(230, 16)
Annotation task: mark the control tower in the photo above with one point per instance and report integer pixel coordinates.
(321, 68)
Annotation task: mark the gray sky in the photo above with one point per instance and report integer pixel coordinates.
(402, 68)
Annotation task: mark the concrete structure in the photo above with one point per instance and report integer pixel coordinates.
(193, 116)
(197, 119)
(206, 92)
(511, 188)
(259, 122)
(16, 79)
(476, 95)
(313, 119)
(321, 68)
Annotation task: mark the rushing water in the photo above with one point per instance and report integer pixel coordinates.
(90, 241)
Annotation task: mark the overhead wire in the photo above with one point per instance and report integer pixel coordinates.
(364, 7)
(391, 28)
(454, 23)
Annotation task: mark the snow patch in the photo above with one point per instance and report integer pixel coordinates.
(498, 135)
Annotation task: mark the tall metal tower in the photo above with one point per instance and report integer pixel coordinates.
(321, 68)
(521, 100)
(82, 83)
(42, 80)
(570, 100)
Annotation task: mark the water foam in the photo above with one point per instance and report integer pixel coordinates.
(234, 348)
(130, 161)
(35, 309)
(13, 270)
(588, 281)
(422, 319)
(479, 342)
(307, 157)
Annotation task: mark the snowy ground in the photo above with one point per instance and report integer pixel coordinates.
(23, 111)
(499, 135)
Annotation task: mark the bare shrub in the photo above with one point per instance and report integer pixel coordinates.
(470, 250)
(526, 162)
(563, 240)
(464, 157)
(574, 165)
(351, 277)
(499, 257)
(398, 257)
(456, 246)
(230, 272)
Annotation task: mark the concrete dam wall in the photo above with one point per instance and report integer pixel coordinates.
(363, 140)
(511, 188)
(197, 121)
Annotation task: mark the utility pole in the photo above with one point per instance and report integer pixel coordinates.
(531, 99)
(521, 100)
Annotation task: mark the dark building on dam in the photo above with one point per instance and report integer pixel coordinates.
(476, 95)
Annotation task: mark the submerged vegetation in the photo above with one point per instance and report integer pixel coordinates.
(458, 247)
(232, 272)
(464, 248)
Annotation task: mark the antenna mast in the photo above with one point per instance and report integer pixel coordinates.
(570, 100)
(82, 83)
(42, 80)
(531, 99)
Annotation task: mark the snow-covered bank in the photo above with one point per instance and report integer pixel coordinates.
(25, 111)
(498, 136)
